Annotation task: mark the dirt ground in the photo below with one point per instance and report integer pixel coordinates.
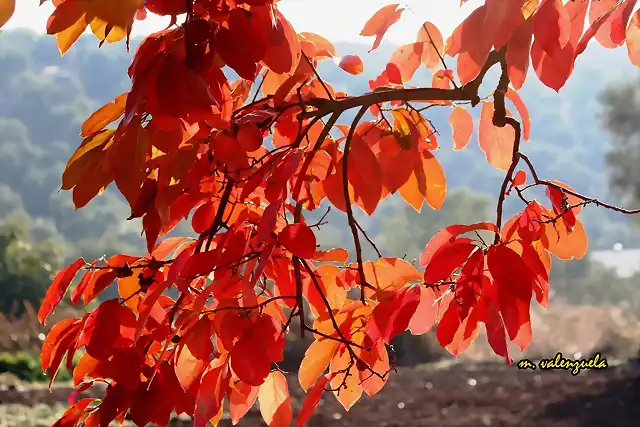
(461, 394)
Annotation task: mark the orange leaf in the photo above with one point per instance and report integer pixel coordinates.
(633, 39)
(324, 48)
(58, 288)
(462, 126)
(495, 142)
(104, 115)
(346, 382)
(380, 22)
(275, 402)
(193, 353)
(316, 360)
(407, 59)
(282, 56)
(562, 244)
(241, 399)
(7, 7)
(118, 13)
(299, 240)
(427, 182)
(352, 64)
(433, 45)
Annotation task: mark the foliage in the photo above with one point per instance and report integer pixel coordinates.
(248, 157)
(25, 268)
(26, 367)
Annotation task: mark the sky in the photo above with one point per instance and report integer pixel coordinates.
(337, 20)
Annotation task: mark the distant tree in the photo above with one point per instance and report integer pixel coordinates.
(621, 118)
(406, 232)
(26, 268)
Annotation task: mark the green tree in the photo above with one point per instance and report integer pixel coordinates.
(26, 269)
(404, 231)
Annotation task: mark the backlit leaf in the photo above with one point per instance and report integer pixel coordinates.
(274, 400)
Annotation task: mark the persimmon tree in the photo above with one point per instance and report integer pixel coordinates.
(244, 159)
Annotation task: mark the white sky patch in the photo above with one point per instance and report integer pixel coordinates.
(337, 20)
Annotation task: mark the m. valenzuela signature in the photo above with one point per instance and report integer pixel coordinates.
(559, 362)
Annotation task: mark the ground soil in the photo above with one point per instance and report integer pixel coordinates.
(463, 394)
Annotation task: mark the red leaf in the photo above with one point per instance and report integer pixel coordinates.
(472, 43)
(554, 70)
(518, 49)
(520, 178)
(110, 327)
(447, 259)
(601, 23)
(214, 385)
(551, 26)
(299, 240)
(515, 283)
(496, 330)
(448, 234)
(58, 288)
(561, 207)
(352, 64)
(311, 401)
(380, 22)
(391, 317)
(194, 353)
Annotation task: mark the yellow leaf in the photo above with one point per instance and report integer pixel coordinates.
(118, 13)
(65, 39)
(275, 401)
(86, 154)
(7, 7)
(99, 29)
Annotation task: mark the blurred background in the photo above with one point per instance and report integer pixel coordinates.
(587, 136)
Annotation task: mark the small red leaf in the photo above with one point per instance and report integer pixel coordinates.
(311, 401)
(58, 288)
(391, 317)
(299, 240)
(352, 64)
